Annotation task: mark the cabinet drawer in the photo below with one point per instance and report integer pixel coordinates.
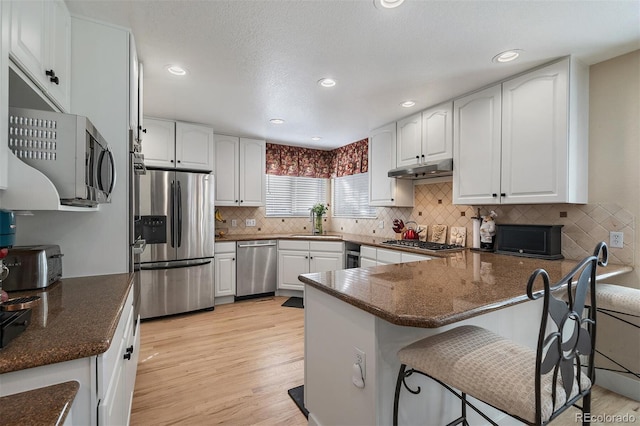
(293, 245)
(226, 247)
(389, 256)
(332, 246)
(368, 252)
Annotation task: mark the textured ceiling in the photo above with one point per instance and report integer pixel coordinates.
(250, 61)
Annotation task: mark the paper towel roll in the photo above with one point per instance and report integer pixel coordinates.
(476, 233)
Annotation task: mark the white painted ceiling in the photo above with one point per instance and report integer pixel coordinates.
(250, 61)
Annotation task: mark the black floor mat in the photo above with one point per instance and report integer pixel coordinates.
(294, 302)
(297, 394)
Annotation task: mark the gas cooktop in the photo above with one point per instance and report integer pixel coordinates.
(424, 245)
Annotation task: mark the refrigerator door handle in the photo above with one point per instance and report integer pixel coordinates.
(179, 198)
(173, 264)
(173, 203)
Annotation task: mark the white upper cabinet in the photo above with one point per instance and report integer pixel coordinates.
(437, 133)
(476, 142)
(170, 144)
(383, 190)
(240, 171)
(544, 139)
(194, 146)
(4, 93)
(159, 143)
(426, 136)
(134, 89)
(409, 142)
(253, 163)
(41, 44)
(524, 141)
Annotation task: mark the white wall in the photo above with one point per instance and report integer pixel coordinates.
(614, 142)
(93, 243)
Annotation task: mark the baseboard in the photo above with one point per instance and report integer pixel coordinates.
(223, 300)
(289, 293)
(313, 421)
(618, 383)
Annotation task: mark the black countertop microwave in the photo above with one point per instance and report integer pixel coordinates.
(539, 241)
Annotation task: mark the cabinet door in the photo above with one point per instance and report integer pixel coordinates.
(535, 136)
(252, 172)
(437, 133)
(159, 143)
(134, 72)
(29, 20)
(409, 150)
(4, 92)
(227, 149)
(476, 147)
(382, 158)
(325, 262)
(365, 262)
(194, 147)
(292, 263)
(59, 56)
(225, 274)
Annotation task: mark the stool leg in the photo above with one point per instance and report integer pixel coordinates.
(464, 409)
(396, 399)
(586, 409)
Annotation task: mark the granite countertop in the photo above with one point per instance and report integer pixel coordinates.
(75, 318)
(441, 291)
(44, 406)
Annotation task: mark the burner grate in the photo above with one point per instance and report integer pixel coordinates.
(424, 245)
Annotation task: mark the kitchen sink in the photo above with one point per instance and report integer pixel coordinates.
(317, 236)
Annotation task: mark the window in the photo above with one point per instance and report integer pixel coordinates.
(293, 196)
(351, 197)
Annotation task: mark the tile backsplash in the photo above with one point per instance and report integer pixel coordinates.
(584, 225)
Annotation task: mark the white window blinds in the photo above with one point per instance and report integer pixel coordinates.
(294, 196)
(351, 197)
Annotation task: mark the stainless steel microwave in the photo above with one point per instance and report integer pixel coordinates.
(66, 148)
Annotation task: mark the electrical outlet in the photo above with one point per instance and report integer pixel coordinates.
(381, 224)
(616, 239)
(234, 223)
(250, 222)
(360, 358)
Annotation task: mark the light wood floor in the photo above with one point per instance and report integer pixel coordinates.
(234, 365)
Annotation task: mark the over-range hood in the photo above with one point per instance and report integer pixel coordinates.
(424, 171)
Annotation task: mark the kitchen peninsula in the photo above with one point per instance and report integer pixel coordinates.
(380, 309)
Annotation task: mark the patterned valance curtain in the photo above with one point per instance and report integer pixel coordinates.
(285, 160)
(352, 159)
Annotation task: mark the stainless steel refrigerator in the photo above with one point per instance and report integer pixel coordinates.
(177, 222)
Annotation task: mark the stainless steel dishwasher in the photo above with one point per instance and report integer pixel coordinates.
(256, 268)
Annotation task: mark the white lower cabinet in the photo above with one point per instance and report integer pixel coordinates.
(302, 257)
(371, 256)
(225, 269)
(117, 369)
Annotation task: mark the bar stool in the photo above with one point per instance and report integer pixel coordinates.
(623, 304)
(533, 386)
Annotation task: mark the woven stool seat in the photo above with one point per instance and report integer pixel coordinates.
(618, 298)
(488, 367)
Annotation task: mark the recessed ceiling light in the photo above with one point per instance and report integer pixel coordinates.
(316, 138)
(407, 104)
(507, 56)
(176, 70)
(276, 121)
(327, 82)
(387, 4)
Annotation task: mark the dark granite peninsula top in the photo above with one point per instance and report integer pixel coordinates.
(74, 318)
(44, 406)
(441, 291)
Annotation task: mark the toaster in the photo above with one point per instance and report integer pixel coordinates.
(32, 267)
